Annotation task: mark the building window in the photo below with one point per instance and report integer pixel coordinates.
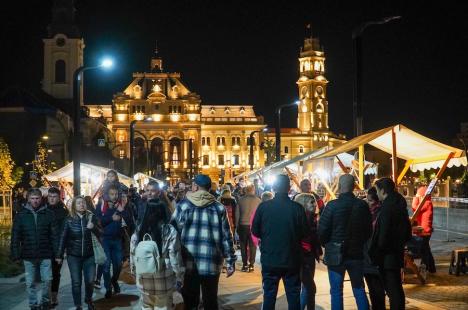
(156, 106)
(121, 154)
(220, 141)
(208, 141)
(236, 141)
(179, 109)
(286, 149)
(227, 110)
(221, 160)
(203, 141)
(242, 110)
(206, 160)
(235, 160)
(60, 70)
(301, 149)
(212, 110)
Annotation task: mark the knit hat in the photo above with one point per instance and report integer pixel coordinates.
(203, 180)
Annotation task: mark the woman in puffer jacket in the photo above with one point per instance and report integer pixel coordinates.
(157, 290)
(77, 241)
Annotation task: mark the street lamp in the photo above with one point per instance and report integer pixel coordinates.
(357, 89)
(251, 155)
(278, 127)
(77, 79)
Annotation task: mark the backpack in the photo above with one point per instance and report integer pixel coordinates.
(147, 259)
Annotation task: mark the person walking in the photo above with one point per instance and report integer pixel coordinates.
(55, 204)
(156, 290)
(306, 188)
(230, 204)
(344, 227)
(281, 225)
(311, 250)
(371, 271)
(112, 214)
(206, 240)
(425, 219)
(247, 206)
(76, 240)
(34, 239)
(392, 231)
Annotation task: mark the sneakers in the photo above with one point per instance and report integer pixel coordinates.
(116, 287)
(251, 268)
(97, 284)
(91, 305)
(245, 268)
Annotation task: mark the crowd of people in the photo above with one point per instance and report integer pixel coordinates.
(177, 242)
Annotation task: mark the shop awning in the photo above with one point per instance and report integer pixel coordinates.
(424, 152)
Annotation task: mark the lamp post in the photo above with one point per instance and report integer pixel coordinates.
(357, 53)
(251, 155)
(77, 79)
(278, 127)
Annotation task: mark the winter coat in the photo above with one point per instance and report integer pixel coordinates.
(426, 213)
(392, 231)
(247, 205)
(34, 234)
(281, 224)
(334, 225)
(112, 229)
(61, 213)
(76, 238)
(205, 233)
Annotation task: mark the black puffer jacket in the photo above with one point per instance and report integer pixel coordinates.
(61, 213)
(337, 225)
(34, 234)
(76, 238)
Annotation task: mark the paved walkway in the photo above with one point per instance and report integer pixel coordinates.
(243, 290)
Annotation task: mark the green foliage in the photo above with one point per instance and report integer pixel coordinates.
(7, 180)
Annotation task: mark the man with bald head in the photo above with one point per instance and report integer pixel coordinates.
(344, 228)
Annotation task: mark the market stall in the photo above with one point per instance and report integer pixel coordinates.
(91, 178)
(142, 179)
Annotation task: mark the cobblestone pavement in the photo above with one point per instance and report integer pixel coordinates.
(243, 290)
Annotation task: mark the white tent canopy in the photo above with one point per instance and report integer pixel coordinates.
(424, 153)
(143, 179)
(89, 174)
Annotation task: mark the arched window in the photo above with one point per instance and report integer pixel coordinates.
(319, 107)
(60, 71)
(175, 149)
(301, 149)
(286, 150)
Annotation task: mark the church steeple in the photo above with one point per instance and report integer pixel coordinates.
(156, 61)
(63, 20)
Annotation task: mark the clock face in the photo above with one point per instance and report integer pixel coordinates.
(60, 42)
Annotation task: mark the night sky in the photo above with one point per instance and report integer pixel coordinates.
(235, 52)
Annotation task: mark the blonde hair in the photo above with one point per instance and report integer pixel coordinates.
(73, 212)
(226, 193)
(267, 196)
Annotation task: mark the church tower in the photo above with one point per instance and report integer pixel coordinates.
(312, 85)
(63, 51)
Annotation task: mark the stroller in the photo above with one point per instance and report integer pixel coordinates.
(413, 259)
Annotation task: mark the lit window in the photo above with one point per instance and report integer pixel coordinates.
(301, 149)
(235, 160)
(242, 110)
(206, 160)
(212, 110)
(121, 154)
(316, 65)
(319, 108)
(227, 110)
(221, 160)
(203, 141)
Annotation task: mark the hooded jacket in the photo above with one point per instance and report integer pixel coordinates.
(425, 215)
(34, 234)
(61, 213)
(204, 232)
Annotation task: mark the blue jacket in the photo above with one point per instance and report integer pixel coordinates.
(112, 229)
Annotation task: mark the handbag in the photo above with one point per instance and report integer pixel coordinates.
(99, 254)
(334, 251)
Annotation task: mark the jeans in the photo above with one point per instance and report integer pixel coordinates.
(31, 268)
(308, 288)
(81, 267)
(56, 267)
(248, 248)
(209, 288)
(426, 255)
(336, 278)
(99, 272)
(113, 250)
(376, 291)
(292, 285)
(392, 282)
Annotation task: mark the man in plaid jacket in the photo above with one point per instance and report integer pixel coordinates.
(206, 241)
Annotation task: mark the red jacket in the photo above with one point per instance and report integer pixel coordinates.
(425, 215)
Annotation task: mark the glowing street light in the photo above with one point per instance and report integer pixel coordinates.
(45, 137)
(107, 63)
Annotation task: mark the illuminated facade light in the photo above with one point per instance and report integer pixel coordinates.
(156, 117)
(175, 117)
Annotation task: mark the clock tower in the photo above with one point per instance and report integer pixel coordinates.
(312, 85)
(63, 51)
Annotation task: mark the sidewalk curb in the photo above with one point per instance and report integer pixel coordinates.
(13, 280)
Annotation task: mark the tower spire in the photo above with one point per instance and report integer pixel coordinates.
(63, 20)
(156, 60)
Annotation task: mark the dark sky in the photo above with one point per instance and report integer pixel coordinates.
(236, 52)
